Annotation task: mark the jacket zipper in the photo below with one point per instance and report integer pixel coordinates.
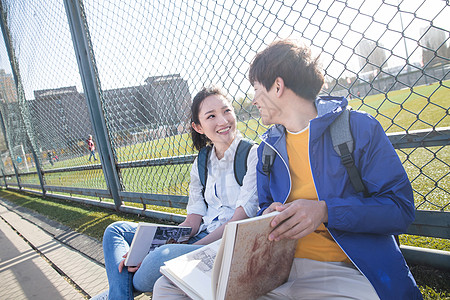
(285, 164)
(314, 182)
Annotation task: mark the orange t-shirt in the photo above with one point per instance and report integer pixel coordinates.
(318, 245)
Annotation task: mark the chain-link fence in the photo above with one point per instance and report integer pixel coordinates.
(125, 72)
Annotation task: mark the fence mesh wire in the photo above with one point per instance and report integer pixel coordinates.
(390, 58)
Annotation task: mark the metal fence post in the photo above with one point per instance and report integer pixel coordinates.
(91, 85)
(4, 177)
(21, 99)
(2, 121)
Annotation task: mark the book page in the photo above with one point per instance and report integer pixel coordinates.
(148, 236)
(227, 242)
(257, 264)
(165, 270)
(170, 235)
(140, 246)
(192, 272)
(223, 262)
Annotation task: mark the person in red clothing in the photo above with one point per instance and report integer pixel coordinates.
(91, 147)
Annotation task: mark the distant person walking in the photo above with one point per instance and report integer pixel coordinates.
(50, 157)
(91, 147)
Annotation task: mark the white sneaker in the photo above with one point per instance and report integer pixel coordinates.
(101, 296)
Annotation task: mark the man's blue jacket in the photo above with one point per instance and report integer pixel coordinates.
(362, 226)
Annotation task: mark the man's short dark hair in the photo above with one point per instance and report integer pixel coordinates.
(293, 63)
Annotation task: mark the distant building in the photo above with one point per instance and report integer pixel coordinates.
(10, 110)
(61, 119)
(371, 56)
(170, 98)
(8, 87)
(161, 101)
(435, 46)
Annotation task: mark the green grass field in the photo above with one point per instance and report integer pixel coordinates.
(428, 169)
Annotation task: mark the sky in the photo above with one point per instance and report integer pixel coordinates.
(211, 43)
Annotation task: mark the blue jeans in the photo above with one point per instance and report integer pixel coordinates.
(92, 155)
(116, 242)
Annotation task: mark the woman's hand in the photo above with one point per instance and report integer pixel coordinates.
(130, 269)
(193, 221)
(239, 214)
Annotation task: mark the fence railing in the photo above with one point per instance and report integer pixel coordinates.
(125, 72)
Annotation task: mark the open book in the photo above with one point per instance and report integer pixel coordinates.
(148, 236)
(244, 264)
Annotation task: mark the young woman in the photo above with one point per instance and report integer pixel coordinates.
(224, 200)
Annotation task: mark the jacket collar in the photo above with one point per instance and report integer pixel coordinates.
(328, 109)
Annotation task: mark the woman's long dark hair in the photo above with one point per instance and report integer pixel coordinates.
(200, 140)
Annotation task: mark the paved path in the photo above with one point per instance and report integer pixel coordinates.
(44, 260)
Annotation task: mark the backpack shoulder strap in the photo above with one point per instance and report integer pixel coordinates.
(202, 164)
(268, 156)
(240, 159)
(342, 139)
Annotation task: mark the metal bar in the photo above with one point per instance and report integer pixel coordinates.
(156, 199)
(431, 223)
(174, 160)
(128, 209)
(10, 175)
(39, 172)
(124, 208)
(154, 214)
(429, 257)
(91, 85)
(31, 186)
(74, 169)
(4, 177)
(2, 121)
(420, 138)
(27, 173)
(80, 191)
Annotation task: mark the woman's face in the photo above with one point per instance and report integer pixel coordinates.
(217, 121)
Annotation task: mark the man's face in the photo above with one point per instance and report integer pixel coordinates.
(267, 104)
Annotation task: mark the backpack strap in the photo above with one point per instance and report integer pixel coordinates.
(240, 162)
(240, 159)
(342, 139)
(202, 164)
(268, 156)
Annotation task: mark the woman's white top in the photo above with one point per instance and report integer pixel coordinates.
(222, 193)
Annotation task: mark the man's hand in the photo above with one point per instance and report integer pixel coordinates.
(272, 207)
(130, 269)
(297, 219)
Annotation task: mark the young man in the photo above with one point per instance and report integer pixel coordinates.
(346, 246)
